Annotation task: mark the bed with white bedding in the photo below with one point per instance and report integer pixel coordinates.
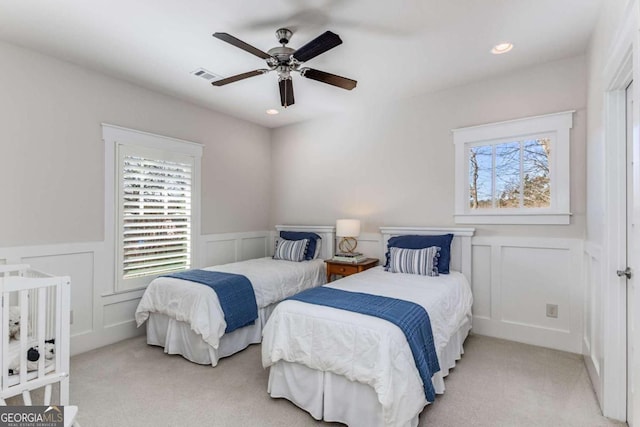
(186, 318)
(357, 369)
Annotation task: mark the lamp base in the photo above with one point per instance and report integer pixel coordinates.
(348, 244)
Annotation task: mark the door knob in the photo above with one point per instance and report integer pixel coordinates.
(626, 272)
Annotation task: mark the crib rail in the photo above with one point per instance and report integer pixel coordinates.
(43, 304)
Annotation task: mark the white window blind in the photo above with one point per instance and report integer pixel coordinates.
(155, 213)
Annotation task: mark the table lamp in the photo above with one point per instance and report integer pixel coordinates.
(348, 229)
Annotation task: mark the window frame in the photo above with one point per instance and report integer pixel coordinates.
(556, 126)
(115, 137)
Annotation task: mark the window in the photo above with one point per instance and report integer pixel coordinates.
(514, 172)
(154, 212)
(156, 200)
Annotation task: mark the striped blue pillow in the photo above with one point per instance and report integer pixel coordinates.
(414, 261)
(291, 250)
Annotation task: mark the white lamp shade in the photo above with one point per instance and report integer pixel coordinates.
(348, 227)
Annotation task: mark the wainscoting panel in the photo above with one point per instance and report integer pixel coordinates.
(78, 261)
(532, 278)
(101, 316)
(218, 252)
(481, 280)
(120, 313)
(593, 346)
(524, 275)
(254, 247)
(78, 266)
(216, 249)
(370, 245)
(513, 280)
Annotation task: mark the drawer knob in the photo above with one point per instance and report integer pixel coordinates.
(342, 269)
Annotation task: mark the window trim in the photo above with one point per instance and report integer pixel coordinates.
(558, 126)
(114, 136)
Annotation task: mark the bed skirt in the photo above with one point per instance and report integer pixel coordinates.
(330, 397)
(177, 338)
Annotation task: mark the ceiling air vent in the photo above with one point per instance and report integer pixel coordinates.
(206, 74)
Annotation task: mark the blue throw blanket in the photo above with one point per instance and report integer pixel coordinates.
(411, 318)
(237, 299)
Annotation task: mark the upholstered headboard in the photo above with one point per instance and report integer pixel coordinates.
(460, 246)
(327, 232)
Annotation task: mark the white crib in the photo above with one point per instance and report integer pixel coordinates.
(44, 305)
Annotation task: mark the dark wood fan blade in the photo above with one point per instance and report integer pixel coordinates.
(329, 78)
(242, 45)
(237, 77)
(315, 47)
(286, 92)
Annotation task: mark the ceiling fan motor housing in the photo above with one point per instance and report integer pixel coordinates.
(282, 53)
(283, 35)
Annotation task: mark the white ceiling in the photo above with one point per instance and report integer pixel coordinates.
(393, 49)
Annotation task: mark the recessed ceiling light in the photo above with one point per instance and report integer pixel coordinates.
(272, 112)
(501, 48)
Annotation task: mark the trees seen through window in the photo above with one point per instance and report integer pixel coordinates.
(510, 174)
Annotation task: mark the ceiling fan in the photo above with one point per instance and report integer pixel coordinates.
(285, 60)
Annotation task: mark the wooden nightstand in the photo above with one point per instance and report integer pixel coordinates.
(348, 268)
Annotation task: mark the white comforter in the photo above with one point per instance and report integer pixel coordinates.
(198, 305)
(364, 348)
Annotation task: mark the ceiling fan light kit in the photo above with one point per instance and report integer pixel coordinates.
(285, 60)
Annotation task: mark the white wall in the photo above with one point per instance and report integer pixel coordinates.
(51, 154)
(52, 175)
(393, 164)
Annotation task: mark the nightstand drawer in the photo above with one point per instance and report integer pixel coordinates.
(344, 270)
(339, 268)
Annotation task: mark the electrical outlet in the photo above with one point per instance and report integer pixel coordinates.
(71, 317)
(552, 310)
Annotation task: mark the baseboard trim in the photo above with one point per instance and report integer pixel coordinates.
(109, 335)
(542, 337)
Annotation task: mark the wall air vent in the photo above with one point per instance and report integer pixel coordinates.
(206, 74)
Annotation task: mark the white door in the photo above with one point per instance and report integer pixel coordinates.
(626, 273)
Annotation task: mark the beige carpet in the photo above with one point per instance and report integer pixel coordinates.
(497, 383)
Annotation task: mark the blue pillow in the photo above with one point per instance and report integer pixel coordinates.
(299, 235)
(421, 242)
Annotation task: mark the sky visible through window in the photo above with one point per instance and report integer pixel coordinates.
(510, 175)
